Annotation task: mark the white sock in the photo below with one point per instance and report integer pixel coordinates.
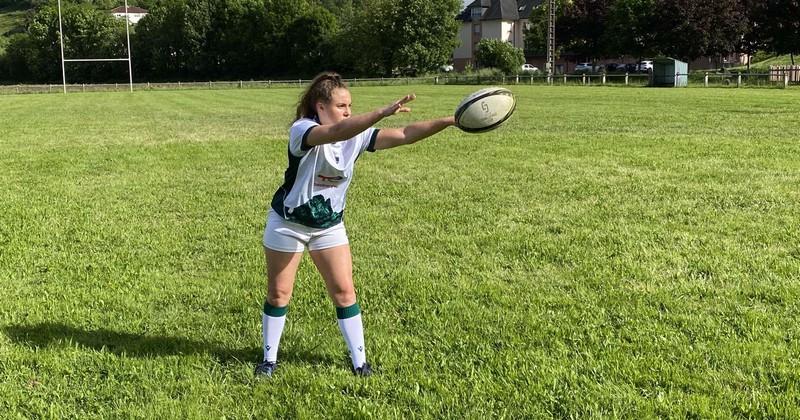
(271, 330)
(353, 331)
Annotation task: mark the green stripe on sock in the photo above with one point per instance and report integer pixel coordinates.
(348, 312)
(272, 311)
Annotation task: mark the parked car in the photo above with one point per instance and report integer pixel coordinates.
(631, 68)
(583, 68)
(405, 72)
(614, 67)
(447, 68)
(645, 66)
(529, 68)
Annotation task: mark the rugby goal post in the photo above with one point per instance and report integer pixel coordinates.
(65, 60)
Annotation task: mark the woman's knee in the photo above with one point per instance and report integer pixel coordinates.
(343, 297)
(278, 297)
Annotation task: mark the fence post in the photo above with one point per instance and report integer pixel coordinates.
(517, 82)
(739, 80)
(179, 84)
(604, 78)
(240, 84)
(84, 87)
(565, 79)
(583, 79)
(705, 80)
(626, 78)
(209, 84)
(785, 79)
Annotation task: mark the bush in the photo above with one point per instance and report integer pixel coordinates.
(761, 56)
(501, 55)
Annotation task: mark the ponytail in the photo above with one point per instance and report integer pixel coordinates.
(320, 89)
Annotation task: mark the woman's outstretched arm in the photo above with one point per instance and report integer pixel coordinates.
(349, 127)
(412, 133)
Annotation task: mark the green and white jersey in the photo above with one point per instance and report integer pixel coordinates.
(315, 184)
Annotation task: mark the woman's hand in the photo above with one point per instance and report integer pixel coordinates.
(398, 106)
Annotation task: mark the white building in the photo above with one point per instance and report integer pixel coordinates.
(134, 14)
(491, 19)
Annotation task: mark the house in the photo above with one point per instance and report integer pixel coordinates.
(507, 19)
(134, 14)
(491, 19)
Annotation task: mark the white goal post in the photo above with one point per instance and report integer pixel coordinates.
(64, 60)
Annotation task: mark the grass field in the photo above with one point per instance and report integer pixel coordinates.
(607, 252)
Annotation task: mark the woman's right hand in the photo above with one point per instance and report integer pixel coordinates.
(398, 106)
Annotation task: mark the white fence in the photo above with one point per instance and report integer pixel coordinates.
(615, 79)
(781, 73)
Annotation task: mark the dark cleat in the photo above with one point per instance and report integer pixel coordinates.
(265, 369)
(365, 370)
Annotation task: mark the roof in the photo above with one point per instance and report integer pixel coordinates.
(501, 10)
(525, 7)
(131, 9)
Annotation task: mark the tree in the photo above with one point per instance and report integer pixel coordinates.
(88, 33)
(628, 29)
(781, 25)
(170, 39)
(500, 54)
(536, 31)
(582, 28)
(309, 39)
(688, 29)
(386, 35)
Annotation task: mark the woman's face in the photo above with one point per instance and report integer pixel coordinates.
(337, 109)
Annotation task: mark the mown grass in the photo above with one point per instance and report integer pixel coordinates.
(607, 252)
(764, 65)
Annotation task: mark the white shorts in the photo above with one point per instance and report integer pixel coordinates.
(285, 236)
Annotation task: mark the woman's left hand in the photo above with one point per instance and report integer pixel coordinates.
(399, 106)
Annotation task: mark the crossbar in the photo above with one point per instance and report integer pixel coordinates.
(94, 59)
(63, 60)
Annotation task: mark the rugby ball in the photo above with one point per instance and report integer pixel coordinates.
(485, 109)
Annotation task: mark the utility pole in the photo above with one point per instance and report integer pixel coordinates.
(551, 40)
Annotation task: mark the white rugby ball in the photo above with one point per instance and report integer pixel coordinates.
(485, 109)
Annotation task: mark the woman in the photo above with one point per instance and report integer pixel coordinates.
(307, 210)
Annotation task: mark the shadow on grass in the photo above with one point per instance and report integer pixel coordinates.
(146, 346)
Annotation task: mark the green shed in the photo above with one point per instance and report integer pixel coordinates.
(669, 72)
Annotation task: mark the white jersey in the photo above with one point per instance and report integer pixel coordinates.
(315, 184)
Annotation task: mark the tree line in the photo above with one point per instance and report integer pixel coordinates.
(256, 39)
(683, 29)
(234, 39)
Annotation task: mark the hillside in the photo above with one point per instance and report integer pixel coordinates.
(781, 60)
(11, 20)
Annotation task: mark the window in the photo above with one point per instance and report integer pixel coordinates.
(476, 28)
(476, 12)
